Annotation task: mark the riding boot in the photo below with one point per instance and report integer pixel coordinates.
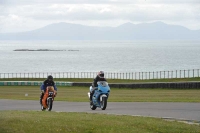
(91, 94)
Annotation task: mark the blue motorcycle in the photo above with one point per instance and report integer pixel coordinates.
(100, 96)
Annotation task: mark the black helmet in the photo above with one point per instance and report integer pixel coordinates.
(49, 77)
(101, 74)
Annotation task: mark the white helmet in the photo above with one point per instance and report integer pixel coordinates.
(101, 74)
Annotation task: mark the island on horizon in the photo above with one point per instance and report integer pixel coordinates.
(41, 50)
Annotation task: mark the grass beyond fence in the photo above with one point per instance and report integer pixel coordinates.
(63, 122)
(79, 94)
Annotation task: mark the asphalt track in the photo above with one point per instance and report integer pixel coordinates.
(177, 111)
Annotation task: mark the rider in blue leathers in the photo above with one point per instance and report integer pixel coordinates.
(48, 82)
(99, 77)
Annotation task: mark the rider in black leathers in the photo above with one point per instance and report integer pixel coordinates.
(99, 77)
(48, 82)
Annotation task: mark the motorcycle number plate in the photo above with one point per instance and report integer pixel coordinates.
(50, 93)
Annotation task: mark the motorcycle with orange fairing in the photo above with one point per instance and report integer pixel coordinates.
(48, 98)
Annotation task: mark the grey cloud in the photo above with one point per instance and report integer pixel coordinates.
(49, 11)
(30, 2)
(130, 12)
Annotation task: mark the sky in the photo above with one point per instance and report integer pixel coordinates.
(26, 15)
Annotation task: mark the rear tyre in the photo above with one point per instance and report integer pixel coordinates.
(104, 103)
(49, 103)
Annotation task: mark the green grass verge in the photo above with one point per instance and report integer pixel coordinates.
(109, 80)
(79, 94)
(64, 122)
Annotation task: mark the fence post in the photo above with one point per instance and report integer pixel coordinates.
(146, 75)
(153, 74)
(168, 74)
(188, 73)
(180, 73)
(164, 74)
(184, 73)
(132, 76)
(172, 75)
(135, 75)
(149, 75)
(139, 75)
(160, 74)
(156, 74)
(193, 73)
(142, 75)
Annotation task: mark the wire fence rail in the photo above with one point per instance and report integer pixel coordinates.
(191, 73)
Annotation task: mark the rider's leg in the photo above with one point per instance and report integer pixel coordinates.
(91, 92)
(41, 97)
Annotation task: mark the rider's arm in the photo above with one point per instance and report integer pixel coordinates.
(95, 82)
(42, 88)
(55, 88)
(54, 85)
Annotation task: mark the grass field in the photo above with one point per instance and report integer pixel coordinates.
(79, 94)
(63, 122)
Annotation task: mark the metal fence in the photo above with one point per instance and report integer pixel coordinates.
(192, 73)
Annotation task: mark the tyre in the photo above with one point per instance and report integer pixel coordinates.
(42, 108)
(93, 107)
(104, 103)
(49, 103)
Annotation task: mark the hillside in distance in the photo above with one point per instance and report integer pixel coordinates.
(127, 31)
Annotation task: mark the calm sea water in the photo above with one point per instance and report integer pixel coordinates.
(92, 56)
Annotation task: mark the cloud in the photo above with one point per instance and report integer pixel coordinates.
(33, 14)
(31, 2)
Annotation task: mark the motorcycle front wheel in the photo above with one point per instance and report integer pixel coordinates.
(104, 103)
(93, 107)
(50, 104)
(42, 108)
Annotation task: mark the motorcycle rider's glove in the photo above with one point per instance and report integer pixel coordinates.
(55, 93)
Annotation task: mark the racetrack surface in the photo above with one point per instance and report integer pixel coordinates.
(178, 111)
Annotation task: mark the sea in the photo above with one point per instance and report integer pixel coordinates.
(93, 56)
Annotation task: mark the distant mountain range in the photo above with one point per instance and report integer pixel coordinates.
(127, 31)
